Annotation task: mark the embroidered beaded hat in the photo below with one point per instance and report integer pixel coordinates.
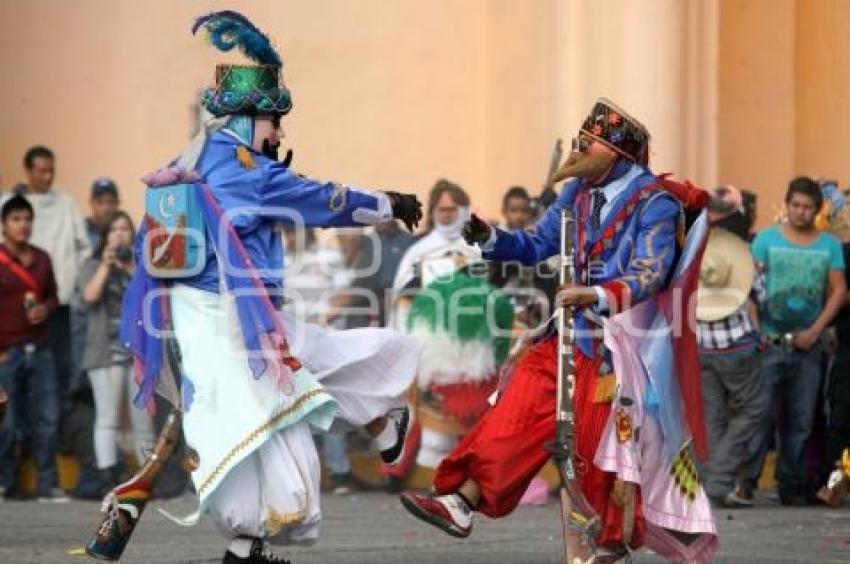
(243, 89)
(614, 127)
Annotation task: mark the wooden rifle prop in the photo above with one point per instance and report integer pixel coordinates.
(124, 505)
(579, 520)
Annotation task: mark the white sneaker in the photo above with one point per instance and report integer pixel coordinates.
(54, 495)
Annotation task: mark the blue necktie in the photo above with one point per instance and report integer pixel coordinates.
(599, 201)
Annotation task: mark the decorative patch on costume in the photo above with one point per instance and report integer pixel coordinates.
(243, 155)
(624, 425)
(338, 198)
(606, 389)
(684, 472)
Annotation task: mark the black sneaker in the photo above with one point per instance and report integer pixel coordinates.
(258, 555)
(403, 421)
(12, 493)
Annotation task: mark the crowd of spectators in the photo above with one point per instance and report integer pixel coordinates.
(776, 371)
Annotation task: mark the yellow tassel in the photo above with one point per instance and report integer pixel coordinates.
(243, 155)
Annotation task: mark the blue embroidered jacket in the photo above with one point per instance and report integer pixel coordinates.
(257, 199)
(630, 256)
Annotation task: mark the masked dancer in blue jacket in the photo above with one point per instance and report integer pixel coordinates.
(254, 380)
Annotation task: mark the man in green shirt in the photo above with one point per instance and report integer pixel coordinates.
(804, 287)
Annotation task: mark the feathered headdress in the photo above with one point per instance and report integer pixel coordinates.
(243, 89)
(228, 29)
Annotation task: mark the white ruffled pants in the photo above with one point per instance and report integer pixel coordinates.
(272, 490)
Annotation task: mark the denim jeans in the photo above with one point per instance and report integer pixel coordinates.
(30, 380)
(792, 380)
(335, 452)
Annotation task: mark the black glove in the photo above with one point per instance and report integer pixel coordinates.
(287, 159)
(407, 208)
(476, 230)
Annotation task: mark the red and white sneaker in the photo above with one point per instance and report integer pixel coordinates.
(446, 512)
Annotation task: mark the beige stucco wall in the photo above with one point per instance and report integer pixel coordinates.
(784, 94)
(386, 94)
(822, 89)
(392, 100)
(397, 94)
(756, 141)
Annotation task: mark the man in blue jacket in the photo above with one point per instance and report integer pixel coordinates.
(626, 247)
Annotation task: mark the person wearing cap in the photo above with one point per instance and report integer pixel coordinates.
(78, 426)
(729, 341)
(255, 379)
(803, 290)
(628, 223)
(103, 203)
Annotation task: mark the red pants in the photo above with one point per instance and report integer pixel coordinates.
(505, 450)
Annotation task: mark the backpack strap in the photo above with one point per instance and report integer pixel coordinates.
(19, 271)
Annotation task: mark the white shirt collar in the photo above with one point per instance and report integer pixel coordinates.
(614, 189)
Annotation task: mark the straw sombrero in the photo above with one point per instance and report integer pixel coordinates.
(725, 276)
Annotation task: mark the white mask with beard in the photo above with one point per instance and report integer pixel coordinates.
(453, 230)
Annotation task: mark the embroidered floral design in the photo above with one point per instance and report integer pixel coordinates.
(619, 130)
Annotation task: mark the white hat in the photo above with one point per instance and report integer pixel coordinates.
(725, 276)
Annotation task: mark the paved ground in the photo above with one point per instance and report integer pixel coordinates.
(373, 529)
